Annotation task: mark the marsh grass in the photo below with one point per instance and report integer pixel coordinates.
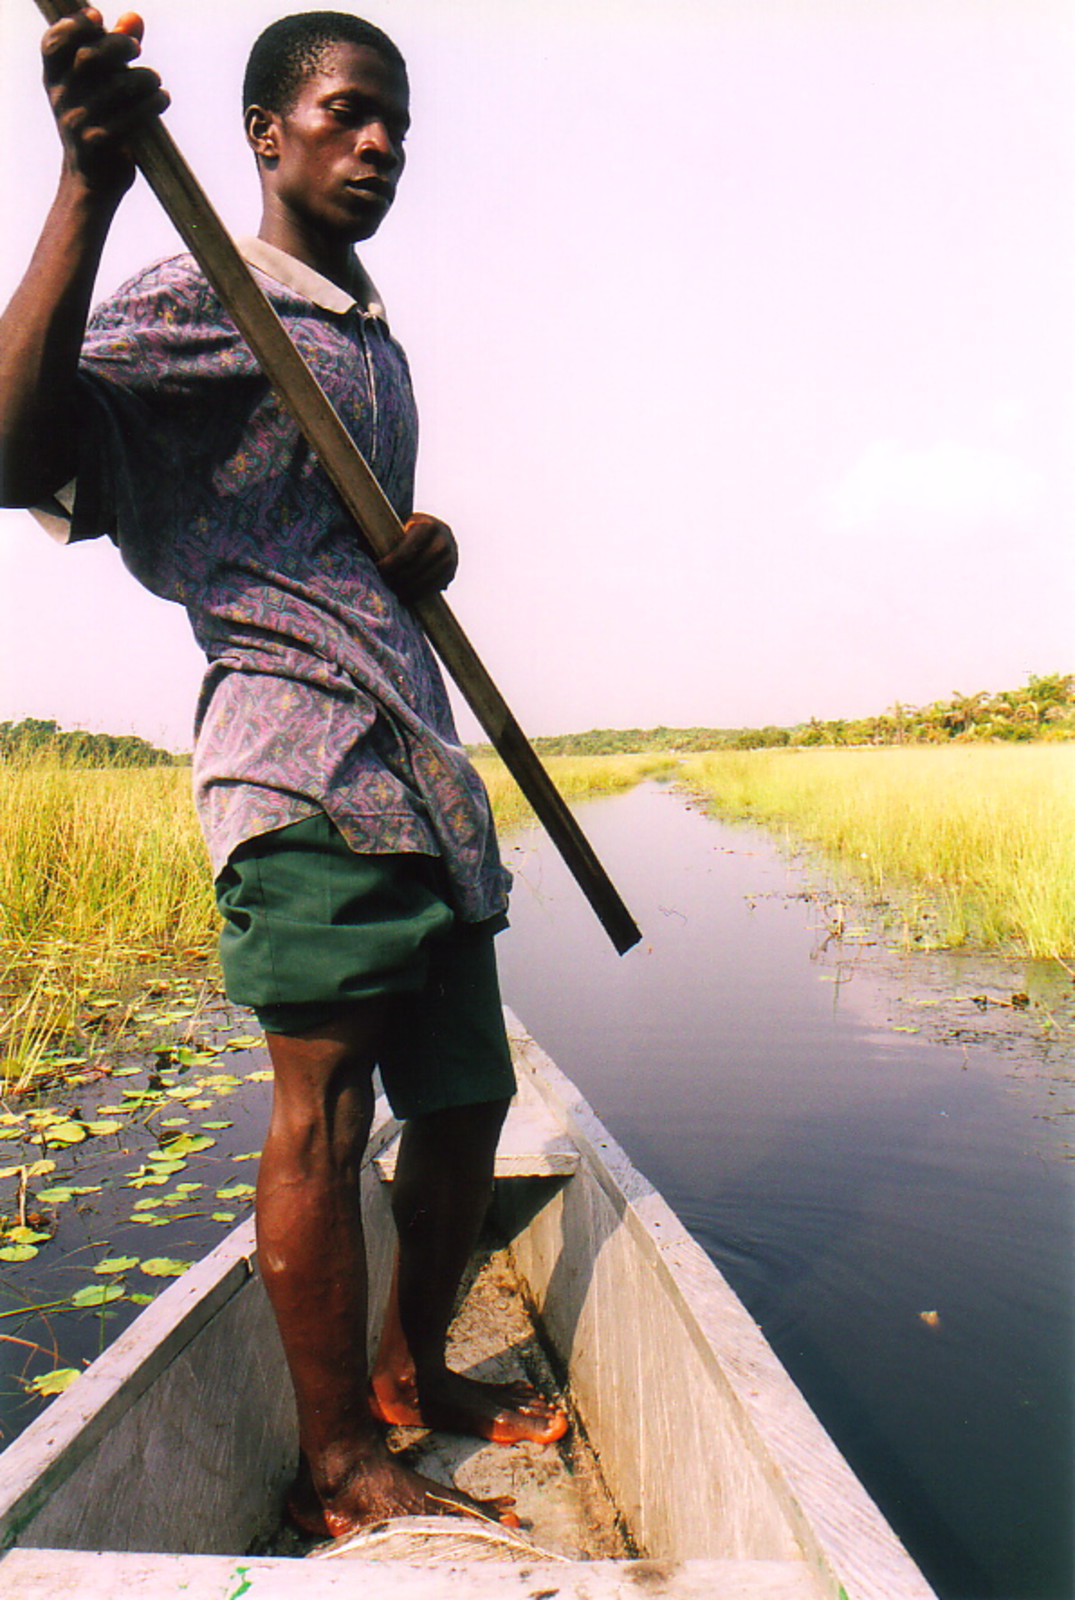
(576, 777)
(978, 838)
(104, 881)
(102, 877)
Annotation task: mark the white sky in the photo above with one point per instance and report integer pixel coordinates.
(742, 333)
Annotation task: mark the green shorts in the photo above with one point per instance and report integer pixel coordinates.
(310, 926)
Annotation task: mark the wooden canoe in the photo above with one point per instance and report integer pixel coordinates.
(168, 1458)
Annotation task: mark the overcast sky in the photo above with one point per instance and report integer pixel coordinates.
(743, 335)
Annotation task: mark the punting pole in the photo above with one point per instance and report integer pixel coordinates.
(182, 197)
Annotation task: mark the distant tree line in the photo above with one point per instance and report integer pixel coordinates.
(1044, 708)
(35, 739)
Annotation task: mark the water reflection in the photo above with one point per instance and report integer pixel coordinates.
(847, 1177)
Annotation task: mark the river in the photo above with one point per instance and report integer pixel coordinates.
(879, 1163)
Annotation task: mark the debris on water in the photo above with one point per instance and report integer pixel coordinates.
(932, 1319)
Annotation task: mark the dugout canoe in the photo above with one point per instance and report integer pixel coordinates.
(167, 1460)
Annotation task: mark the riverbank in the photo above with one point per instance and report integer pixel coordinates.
(961, 845)
(106, 901)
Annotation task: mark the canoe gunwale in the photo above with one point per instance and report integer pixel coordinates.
(847, 1542)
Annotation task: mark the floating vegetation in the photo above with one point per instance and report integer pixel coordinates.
(82, 1179)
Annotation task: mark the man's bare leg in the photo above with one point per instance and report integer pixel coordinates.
(311, 1252)
(443, 1182)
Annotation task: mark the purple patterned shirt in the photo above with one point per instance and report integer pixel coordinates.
(321, 691)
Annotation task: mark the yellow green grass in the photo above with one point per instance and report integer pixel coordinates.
(982, 835)
(104, 878)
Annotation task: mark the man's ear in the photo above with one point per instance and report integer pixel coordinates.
(261, 128)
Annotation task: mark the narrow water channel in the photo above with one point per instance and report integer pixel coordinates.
(887, 1184)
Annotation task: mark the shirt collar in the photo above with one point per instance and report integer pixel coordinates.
(310, 284)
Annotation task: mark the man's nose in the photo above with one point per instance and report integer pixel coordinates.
(375, 146)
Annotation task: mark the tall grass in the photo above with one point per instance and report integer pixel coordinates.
(104, 876)
(984, 833)
(576, 777)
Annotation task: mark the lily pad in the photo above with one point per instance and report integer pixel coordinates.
(105, 1125)
(237, 1191)
(188, 1144)
(97, 1294)
(165, 1267)
(115, 1264)
(54, 1382)
(17, 1252)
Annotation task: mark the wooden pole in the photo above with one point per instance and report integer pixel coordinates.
(209, 242)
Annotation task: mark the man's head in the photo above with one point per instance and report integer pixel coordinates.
(326, 107)
(292, 50)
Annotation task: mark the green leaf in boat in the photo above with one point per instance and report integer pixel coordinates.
(114, 1264)
(165, 1267)
(97, 1294)
(54, 1382)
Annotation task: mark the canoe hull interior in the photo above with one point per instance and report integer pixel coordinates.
(181, 1437)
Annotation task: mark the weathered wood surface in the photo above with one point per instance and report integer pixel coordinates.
(531, 1146)
(706, 1444)
(59, 1574)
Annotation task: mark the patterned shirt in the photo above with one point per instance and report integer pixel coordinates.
(321, 691)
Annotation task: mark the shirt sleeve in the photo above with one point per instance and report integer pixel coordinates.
(154, 416)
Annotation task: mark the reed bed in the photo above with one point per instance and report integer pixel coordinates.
(104, 881)
(981, 838)
(576, 777)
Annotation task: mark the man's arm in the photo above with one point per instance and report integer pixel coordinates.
(98, 101)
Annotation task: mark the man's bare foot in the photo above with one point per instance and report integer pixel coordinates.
(380, 1488)
(505, 1413)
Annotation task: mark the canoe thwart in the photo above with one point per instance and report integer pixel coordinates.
(531, 1146)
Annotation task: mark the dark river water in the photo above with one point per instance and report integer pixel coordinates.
(856, 1141)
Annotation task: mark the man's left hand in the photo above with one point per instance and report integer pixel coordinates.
(424, 561)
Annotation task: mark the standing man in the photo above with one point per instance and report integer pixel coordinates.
(356, 864)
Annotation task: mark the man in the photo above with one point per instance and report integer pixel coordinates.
(356, 864)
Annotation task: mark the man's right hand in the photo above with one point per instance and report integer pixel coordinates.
(98, 99)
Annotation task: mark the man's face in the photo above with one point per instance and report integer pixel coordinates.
(334, 158)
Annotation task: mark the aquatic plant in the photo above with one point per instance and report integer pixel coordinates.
(980, 837)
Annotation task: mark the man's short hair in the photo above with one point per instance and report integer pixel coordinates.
(291, 50)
